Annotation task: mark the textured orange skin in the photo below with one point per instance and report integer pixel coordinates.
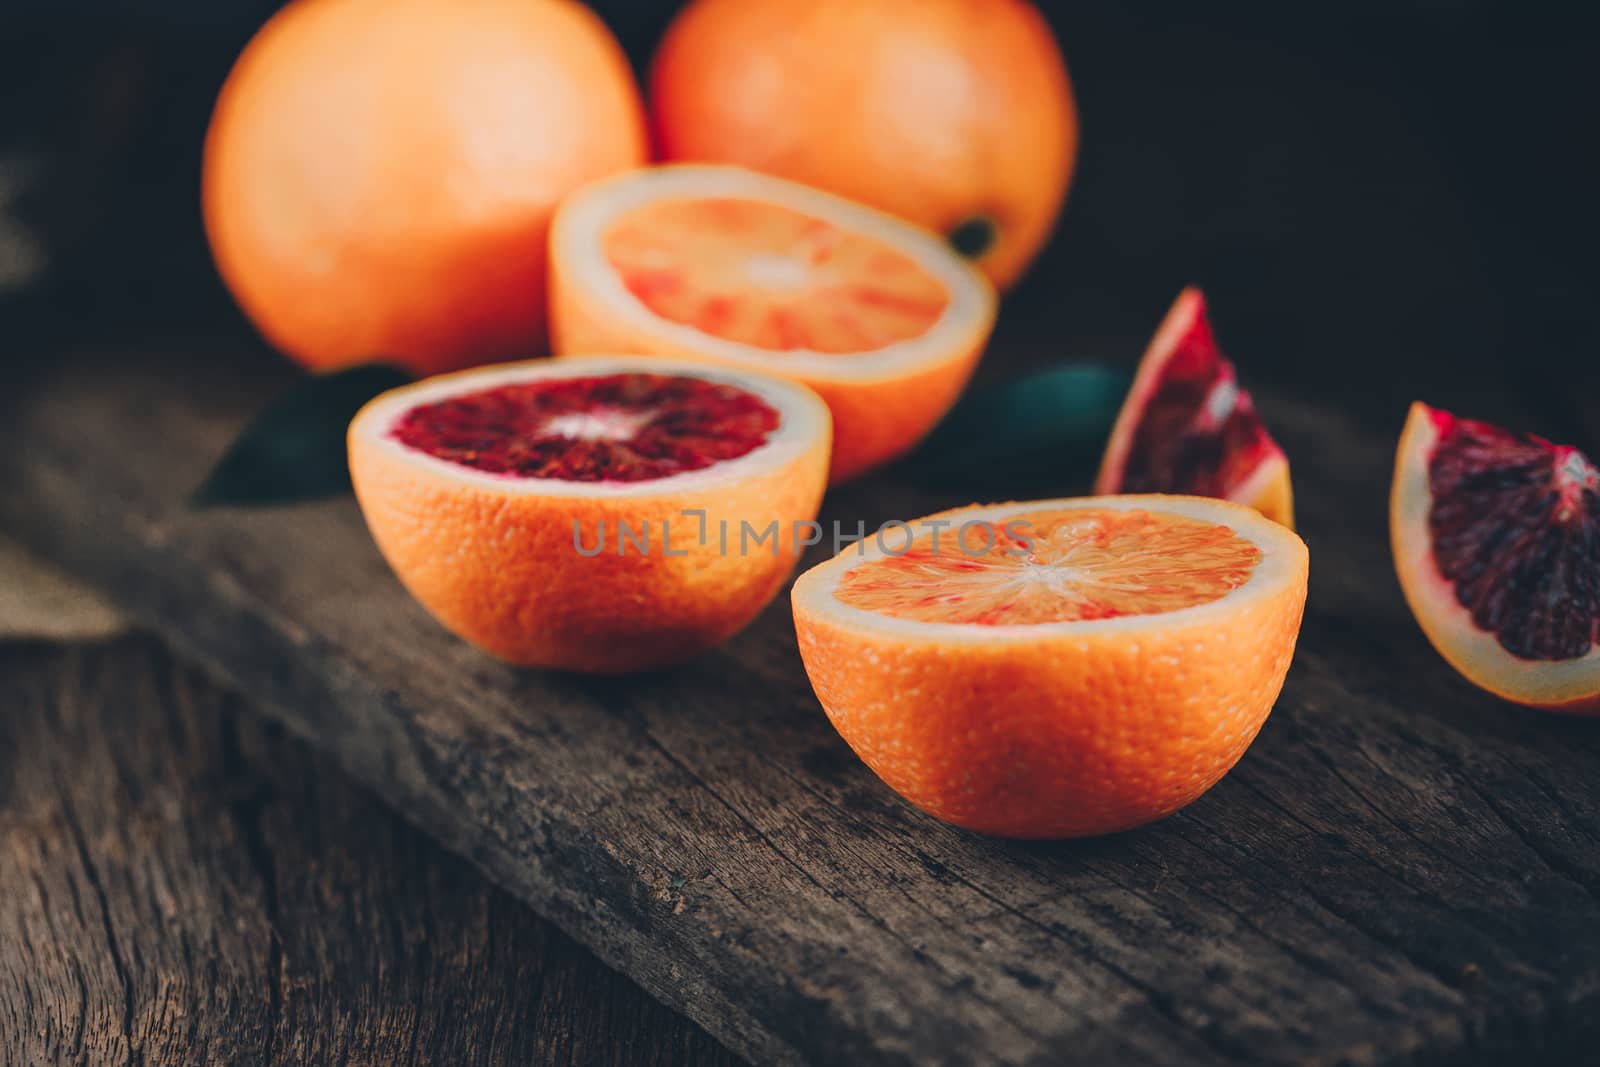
(1485, 673)
(1275, 500)
(875, 420)
(1058, 736)
(379, 175)
(501, 569)
(935, 110)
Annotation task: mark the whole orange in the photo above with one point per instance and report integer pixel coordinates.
(380, 174)
(955, 114)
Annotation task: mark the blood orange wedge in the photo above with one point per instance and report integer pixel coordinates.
(1496, 539)
(742, 270)
(1058, 668)
(597, 514)
(1188, 427)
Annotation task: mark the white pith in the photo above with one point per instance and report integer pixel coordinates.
(608, 425)
(581, 222)
(1220, 402)
(1580, 471)
(1574, 475)
(802, 418)
(1280, 550)
(781, 273)
(1443, 618)
(1269, 470)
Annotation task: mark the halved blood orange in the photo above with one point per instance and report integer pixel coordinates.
(1496, 539)
(743, 270)
(594, 514)
(1188, 427)
(1057, 668)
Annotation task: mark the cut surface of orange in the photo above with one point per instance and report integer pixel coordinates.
(764, 275)
(731, 267)
(1496, 540)
(575, 513)
(1056, 566)
(1058, 668)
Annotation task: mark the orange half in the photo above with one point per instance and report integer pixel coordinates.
(731, 267)
(575, 514)
(1058, 668)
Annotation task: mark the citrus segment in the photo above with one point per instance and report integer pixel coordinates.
(1496, 539)
(738, 269)
(1056, 566)
(770, 277)
(1101, 676)
(569, 513)
(1189, 427)
(1514, 514)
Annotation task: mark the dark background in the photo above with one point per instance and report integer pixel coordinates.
(1383, 200)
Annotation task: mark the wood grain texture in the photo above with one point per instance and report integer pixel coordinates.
(183, 884)
(1401, 870)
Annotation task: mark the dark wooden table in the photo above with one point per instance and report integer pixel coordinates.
(1401, 870)
(181, 883)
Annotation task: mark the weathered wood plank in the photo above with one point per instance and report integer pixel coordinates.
(1400, 869)
(183, 884)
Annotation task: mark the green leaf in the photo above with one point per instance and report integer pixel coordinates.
(295, 448)
(1042, 433)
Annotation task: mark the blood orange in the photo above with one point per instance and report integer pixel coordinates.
(595, 514)
(1496, 539)
(739, 269)
(955, 114)
(1058, 668)
(1188, 427)
(379, 175)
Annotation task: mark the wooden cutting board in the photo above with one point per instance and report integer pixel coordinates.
(1400, 869)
